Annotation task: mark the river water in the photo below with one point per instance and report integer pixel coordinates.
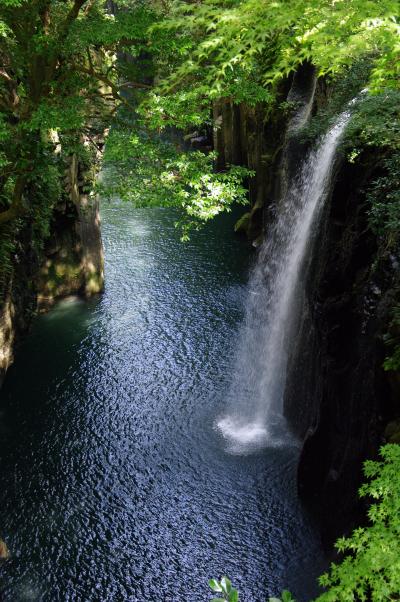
(114, 483)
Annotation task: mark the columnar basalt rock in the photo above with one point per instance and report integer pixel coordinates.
(71, 262)
(249, 135)
(339, 398)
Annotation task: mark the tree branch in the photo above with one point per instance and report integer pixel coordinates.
(105, 80)
(72, 16)
(16, 208)
(11, 86)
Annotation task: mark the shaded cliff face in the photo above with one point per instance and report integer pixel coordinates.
(252, 136)
(264, 139)
(71, 262)
(18, 303)
(339, 398)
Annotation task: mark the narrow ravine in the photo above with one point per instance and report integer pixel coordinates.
(114, 484)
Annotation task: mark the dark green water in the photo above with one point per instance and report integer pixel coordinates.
(114, 484)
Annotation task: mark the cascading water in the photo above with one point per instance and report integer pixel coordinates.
(254, 415)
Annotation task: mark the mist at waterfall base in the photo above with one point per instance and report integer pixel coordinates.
(114, 486)
(254, 415)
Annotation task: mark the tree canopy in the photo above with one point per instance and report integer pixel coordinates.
(60, 74)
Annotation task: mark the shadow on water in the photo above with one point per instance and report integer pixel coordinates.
(114, 484)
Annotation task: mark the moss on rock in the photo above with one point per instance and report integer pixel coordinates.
(392, 432)
(4, 551)
(242, 225)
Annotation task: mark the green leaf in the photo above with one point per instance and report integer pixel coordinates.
(215, 586)
(233, 595)
(226, 585)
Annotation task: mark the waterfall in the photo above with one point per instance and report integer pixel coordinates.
(254, 414)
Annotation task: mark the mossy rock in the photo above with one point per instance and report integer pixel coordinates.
(392, 432)
(94, 284)
(243, 223)
(257, 242)
(4, 552)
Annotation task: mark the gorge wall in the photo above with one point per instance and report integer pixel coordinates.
(339, 399)
(70, 262)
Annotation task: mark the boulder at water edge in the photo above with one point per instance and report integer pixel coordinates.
(4, 552)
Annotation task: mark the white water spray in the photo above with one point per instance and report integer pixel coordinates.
(254, 415)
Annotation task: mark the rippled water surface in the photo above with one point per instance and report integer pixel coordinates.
(114, 484)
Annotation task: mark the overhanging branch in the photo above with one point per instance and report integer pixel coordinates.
(16, 209)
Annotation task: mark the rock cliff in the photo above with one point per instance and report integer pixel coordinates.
(70, 262)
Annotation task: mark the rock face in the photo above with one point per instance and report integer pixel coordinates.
(4, 553)
(73, 261)
(70, 263)
(18, 300)
(338, 397)
(248, 135)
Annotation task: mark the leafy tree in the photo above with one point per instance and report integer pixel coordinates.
(152, 171)
(270, 40)
(61, 87)
(58, 75)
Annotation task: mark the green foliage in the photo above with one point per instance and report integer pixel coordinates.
(47, 185)
(383, 196)
(183, 109)
(270, 40)
(151, 171)
(374, 131)
(392, 340)
(370, 569)
(7, 249)
(376, 121)
(225, 589)
(59, 88)
(56, 115)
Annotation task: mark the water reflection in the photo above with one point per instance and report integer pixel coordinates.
(114, 484)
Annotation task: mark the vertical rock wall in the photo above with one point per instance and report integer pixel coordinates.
(70, 263)
(73, 262)
(339, 398)
(251, 136)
